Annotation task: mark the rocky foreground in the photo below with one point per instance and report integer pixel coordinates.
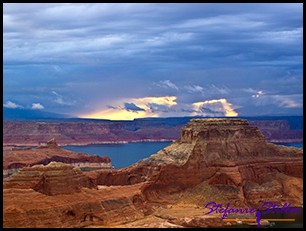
(221, 160)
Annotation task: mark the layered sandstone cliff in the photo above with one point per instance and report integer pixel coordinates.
(221, 160)
(52, 179)
(60, 195)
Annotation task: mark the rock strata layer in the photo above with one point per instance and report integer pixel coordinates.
(53, 179)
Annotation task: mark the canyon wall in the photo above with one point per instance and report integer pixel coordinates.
(94, 132)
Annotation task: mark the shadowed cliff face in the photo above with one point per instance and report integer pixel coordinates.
(222, 160)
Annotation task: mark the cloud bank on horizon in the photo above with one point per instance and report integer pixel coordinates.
(126, 61)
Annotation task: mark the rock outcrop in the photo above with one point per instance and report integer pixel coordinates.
(44, 154)
(222, 160)
(53, 179)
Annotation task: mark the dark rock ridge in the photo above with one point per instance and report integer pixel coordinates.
(94, 132)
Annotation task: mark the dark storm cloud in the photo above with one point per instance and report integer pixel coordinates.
(158, 108)
(132, 107)
(94, 54)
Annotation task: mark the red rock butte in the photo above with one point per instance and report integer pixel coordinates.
(222, 160)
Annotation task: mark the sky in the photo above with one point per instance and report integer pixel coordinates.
(126, 61)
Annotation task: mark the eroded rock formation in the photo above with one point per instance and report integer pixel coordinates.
(222, 160)
(53, 179)
(48, 152)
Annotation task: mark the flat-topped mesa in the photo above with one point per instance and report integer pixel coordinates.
(220, 130)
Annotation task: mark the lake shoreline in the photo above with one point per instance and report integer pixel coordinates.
(7, 146)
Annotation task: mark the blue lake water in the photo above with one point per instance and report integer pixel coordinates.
(297, 145)
(121, 155)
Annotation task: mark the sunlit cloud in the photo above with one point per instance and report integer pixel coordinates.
(119, 114)
(136, 108)
(164, 100)
(215, 107)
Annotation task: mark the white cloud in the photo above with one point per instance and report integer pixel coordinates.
(37, 106)
(167, 38)
(219, 90)
(208, 90)
(194, 88)
(288, 101)
(10, 104)
(167, 84)
(255, 93)
(283, 35)
(290, 104)
(258, 94)
(236, 21)
(249, 90)
(57, 68)
(59, 99)
(285, 101)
